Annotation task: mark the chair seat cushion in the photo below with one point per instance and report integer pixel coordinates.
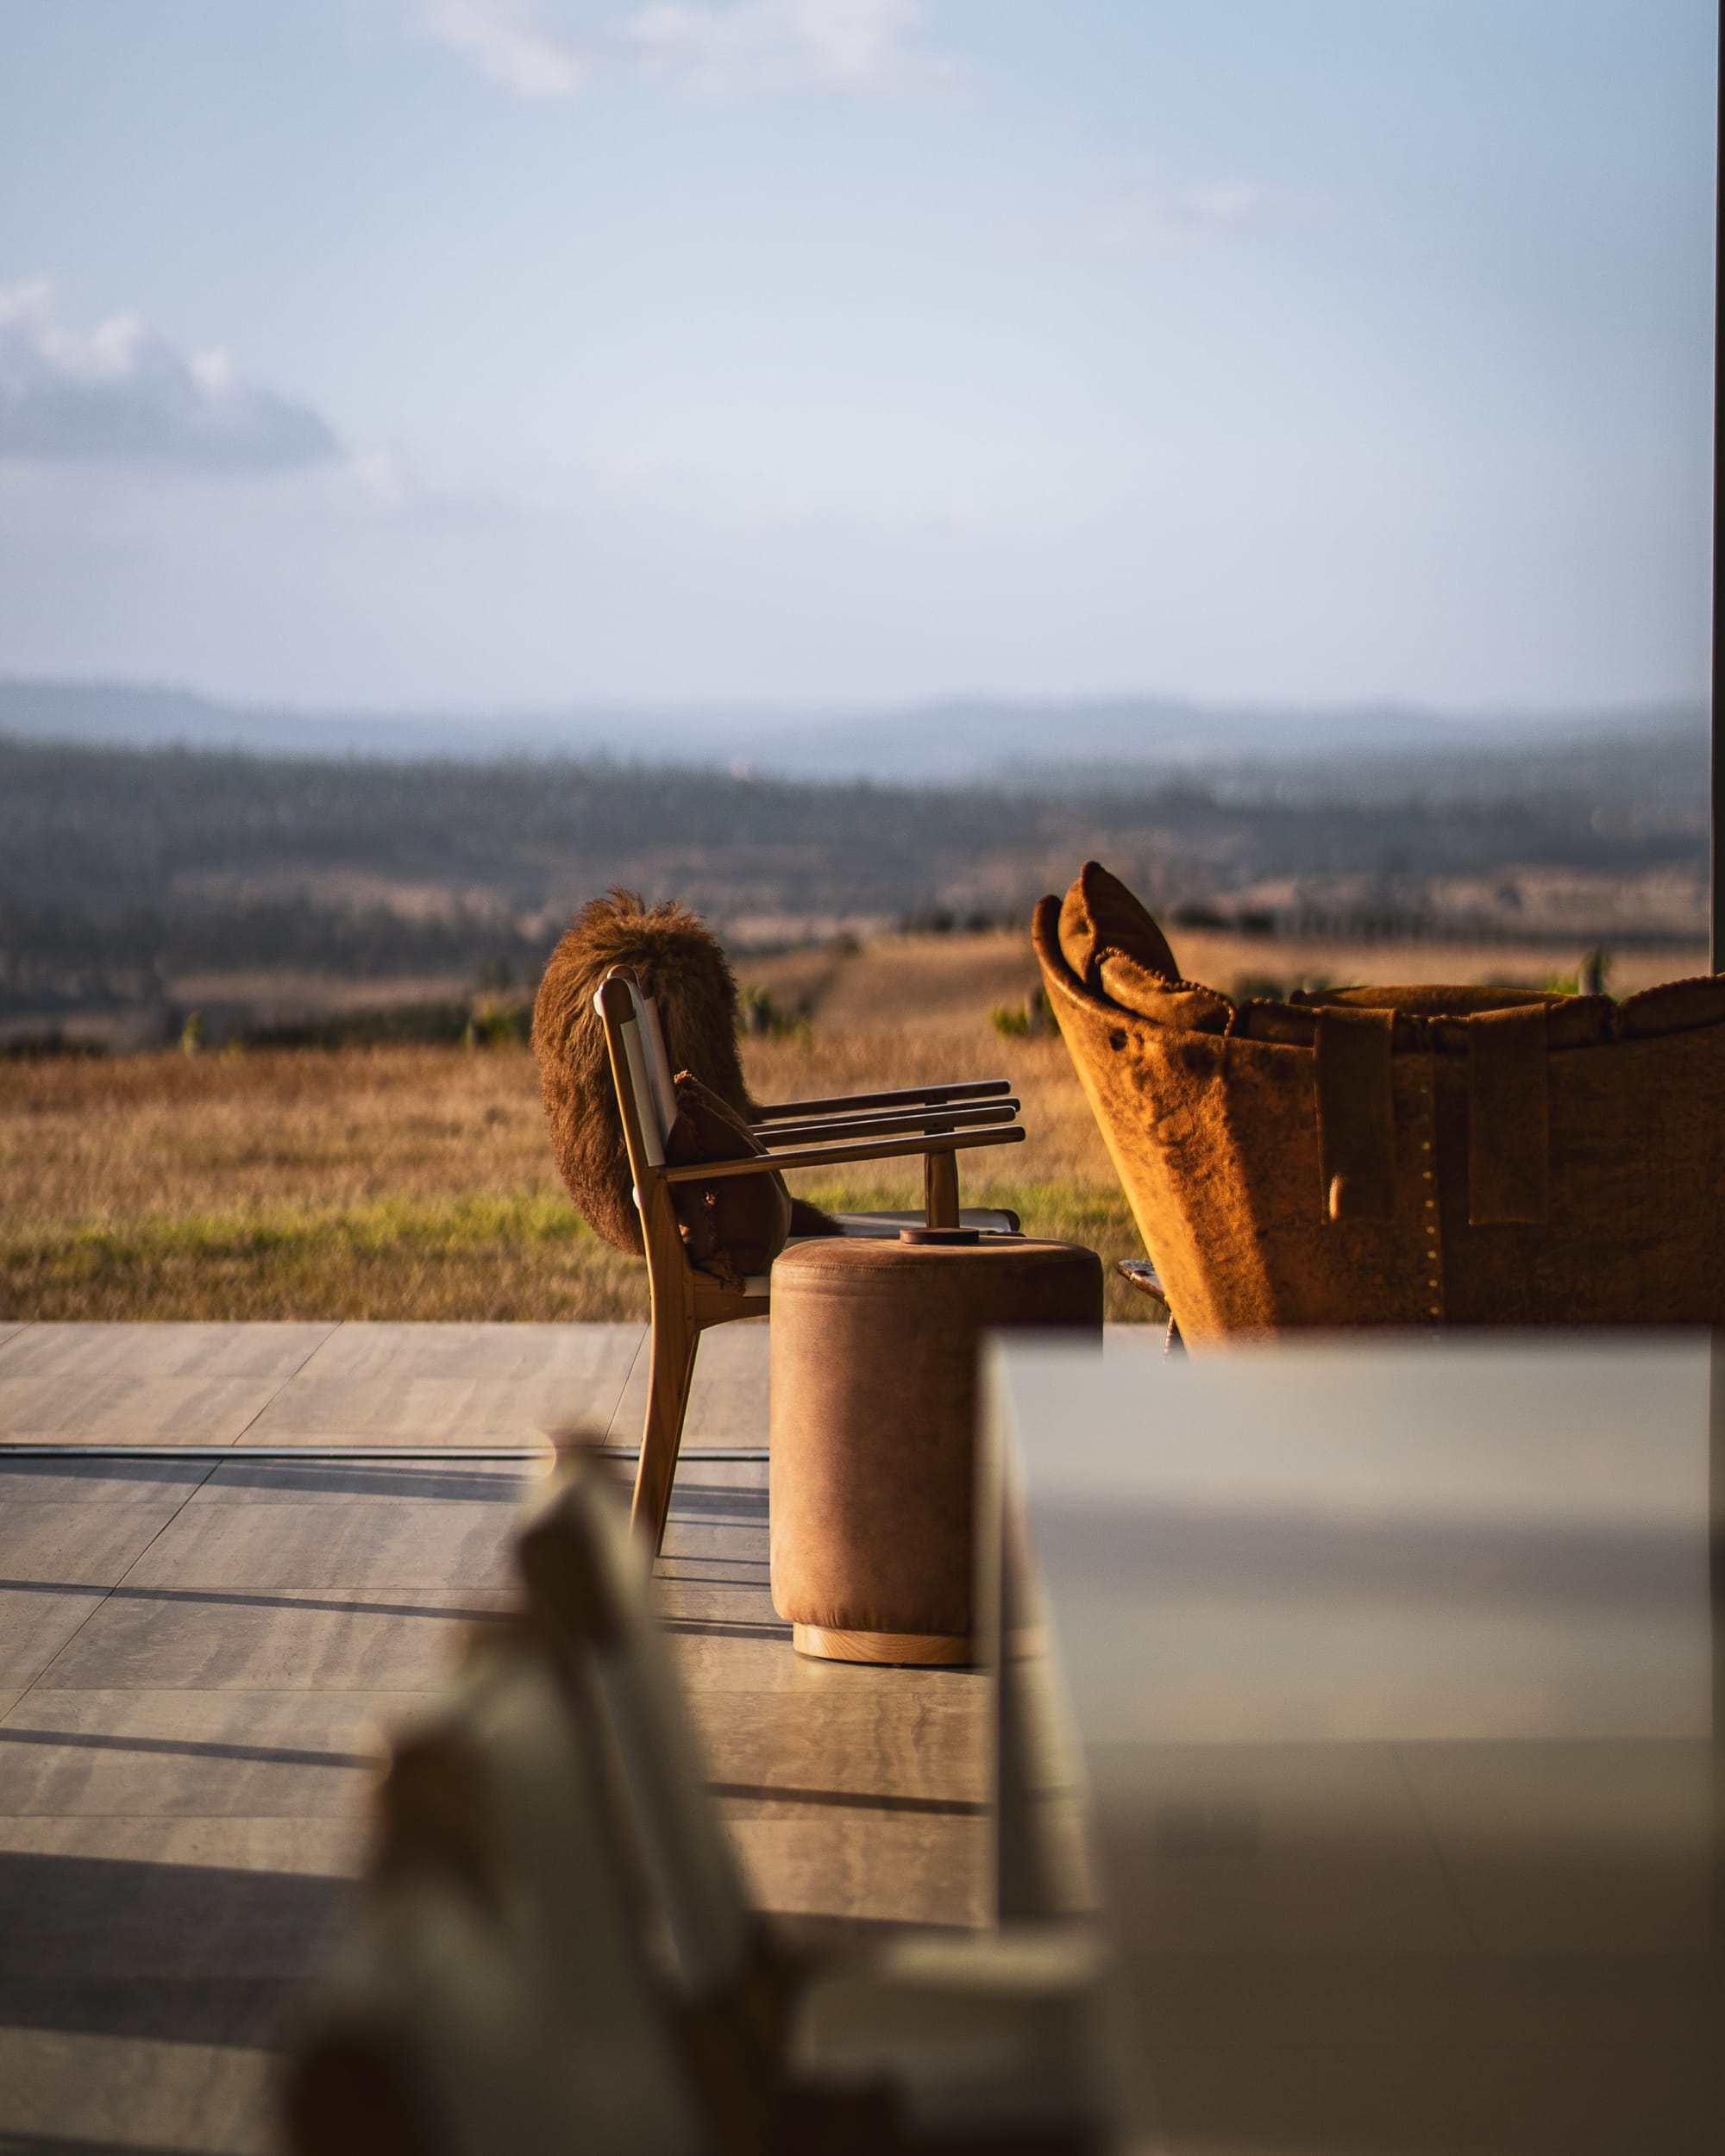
(735, 1225)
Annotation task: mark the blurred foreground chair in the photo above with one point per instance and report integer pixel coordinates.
(557, 1952)
(496, 1996)
(709, 1247)
(1419, 1156)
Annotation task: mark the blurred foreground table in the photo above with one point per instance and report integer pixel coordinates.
(1378, 1684)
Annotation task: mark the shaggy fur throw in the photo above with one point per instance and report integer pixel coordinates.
(679, 963)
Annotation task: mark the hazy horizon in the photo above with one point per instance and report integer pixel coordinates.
(973, 740)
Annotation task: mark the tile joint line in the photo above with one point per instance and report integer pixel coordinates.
(287, 1380)
(371, 1454)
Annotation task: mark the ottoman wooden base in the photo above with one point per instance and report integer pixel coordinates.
(928, 1650)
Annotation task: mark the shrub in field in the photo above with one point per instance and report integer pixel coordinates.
(1027, 1020)
(763, 1020)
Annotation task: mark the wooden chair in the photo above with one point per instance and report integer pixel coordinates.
(497, 1992)
(986, 2042)
(555, 1949)
(937, 1122)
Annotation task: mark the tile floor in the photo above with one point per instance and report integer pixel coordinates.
(201, 1660)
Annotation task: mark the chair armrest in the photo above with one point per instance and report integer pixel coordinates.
(944, 1119)
(697, 1171)
(905, 1097)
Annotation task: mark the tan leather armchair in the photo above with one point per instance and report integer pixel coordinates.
(1420, 1157)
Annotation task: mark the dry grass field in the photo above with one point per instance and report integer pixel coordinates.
(417, 1183)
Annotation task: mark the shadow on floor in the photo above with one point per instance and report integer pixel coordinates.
(181, 1953)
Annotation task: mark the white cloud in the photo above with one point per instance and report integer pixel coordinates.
(507, 43)
(759, 46)
(738, 49)
(124, 390)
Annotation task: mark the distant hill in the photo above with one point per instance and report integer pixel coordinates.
(952, 742)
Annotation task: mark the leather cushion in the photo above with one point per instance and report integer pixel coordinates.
(1149, 995)
(1099, 914)
(1427, 998)
(737, 1224)
(1675, 1007)
(1430, 1020)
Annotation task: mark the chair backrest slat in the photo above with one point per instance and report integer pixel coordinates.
(658, 1059)
(653, 1132)
(587, 1582)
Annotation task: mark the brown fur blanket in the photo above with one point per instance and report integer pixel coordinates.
(680, 963)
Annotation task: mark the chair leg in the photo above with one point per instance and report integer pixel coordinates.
(672, 1369)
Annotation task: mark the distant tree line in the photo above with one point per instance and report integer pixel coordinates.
(169, 862)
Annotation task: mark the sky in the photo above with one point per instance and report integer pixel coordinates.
(489, 353)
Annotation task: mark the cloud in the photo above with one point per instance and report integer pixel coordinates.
(742, 48)
(757, 47)
(506, 44)
(125, 392)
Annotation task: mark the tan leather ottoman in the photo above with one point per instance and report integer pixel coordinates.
(874, 1393)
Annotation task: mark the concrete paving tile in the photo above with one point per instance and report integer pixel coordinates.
(70, 1479)
(250, 1640)
(70, 1916)
(441, 1411)
(56, 1546)
(881, 1740)
(727, 1400)
(698, 1471)
(595, 1354)
(452, 1384)
(253, 1755)
(333, 1848)
(238, 1479)
(85, 2093)
(630, 1411)
(719, 1541)
(694, 1601)
(10, 1328)
(903, 1867)
(73, 1406)
(699, 1499)
(347, 1545)
(162, 1351)
(744, 1657)
(35, 1623)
